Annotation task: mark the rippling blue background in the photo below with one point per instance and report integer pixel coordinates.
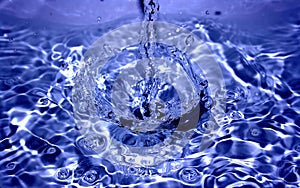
(258, 45)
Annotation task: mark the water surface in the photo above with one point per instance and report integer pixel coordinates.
(258, 143)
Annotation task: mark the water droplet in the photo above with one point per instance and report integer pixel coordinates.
(203, 84)
(50, 150)
(98, 19)
(11, 165)
(207, 12)
(236, 115)
(90, 176)
(189, 40)
(208, 104)
(297, 148)
(78, 127)
(190, 175)
(235, 94)
(208, 126)
(63, 173)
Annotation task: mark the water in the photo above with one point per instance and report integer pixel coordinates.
(253, 143)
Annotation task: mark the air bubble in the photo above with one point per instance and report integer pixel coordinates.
(144, 171)
(55, 56)
(255, 132)
(190, 175)
(95, 143)
(50, 150)
(98, 19)
(132, 170)
(63, 173)
(11, 165)
(44, 101)
(9, 82)
(90, 176)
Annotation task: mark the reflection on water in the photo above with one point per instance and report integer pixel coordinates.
(258, 146)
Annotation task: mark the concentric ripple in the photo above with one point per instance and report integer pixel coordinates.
(131, 87)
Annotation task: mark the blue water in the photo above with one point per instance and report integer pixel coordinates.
(258, 142)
